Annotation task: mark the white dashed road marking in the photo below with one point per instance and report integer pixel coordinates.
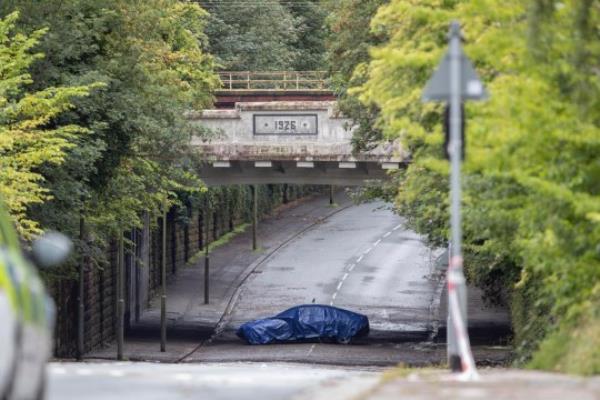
(358, 260)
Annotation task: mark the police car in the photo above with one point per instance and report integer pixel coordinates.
(26, 312)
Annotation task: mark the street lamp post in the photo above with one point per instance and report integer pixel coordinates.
(206, 252)
(454, 81)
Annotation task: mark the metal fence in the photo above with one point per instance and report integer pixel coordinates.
(274, 80)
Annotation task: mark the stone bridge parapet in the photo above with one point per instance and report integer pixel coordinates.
(280, 141)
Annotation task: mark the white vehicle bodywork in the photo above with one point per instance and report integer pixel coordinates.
(8, 331)
(26, 319)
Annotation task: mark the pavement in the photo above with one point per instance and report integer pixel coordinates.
(159, 381)
(427, 384)
(279, 381)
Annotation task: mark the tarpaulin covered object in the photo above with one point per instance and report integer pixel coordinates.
(306, 322)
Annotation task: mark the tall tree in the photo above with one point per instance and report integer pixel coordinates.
(310, 18)
(30, 134)
(256, 35)
(151, 59)
(348, 47)
(532, 199)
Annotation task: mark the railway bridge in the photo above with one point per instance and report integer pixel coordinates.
(284, 127)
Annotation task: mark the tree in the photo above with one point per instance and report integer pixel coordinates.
(151, 58)
(30, 136)
(348, 56)
(252, 36)
(531, 198)
(310, 16)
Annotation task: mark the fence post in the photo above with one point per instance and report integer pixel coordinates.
(206, 257)
(173, 244)
(254, 215)
(137, 255)
(200, 229)
(120, 301)
(186, 233)
(163, 275)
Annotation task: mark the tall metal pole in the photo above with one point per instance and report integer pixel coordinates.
(163, 277)
(254, 216)
(206, 277)
(121, 300)
(81, 293)
(456, 67)
(456, 275)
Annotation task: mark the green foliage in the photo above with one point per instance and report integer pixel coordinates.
(150, 60)
(29, 135)
(310, 16)
(532, 192)
(573, 346)
(263, 35)
(252, 36)
(348, 57)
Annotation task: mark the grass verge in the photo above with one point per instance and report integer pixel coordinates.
(226, 238)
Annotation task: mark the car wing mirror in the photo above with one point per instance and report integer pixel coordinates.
(51, 249)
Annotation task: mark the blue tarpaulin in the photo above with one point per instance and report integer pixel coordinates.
(306, 322)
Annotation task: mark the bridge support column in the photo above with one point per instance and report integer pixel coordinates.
(254, 215)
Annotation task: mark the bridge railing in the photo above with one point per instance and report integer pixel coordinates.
(274, 80)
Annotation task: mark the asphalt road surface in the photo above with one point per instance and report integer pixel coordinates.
(153, 381)
(361, 258)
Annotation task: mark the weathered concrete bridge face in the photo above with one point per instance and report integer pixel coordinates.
(287, 141)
